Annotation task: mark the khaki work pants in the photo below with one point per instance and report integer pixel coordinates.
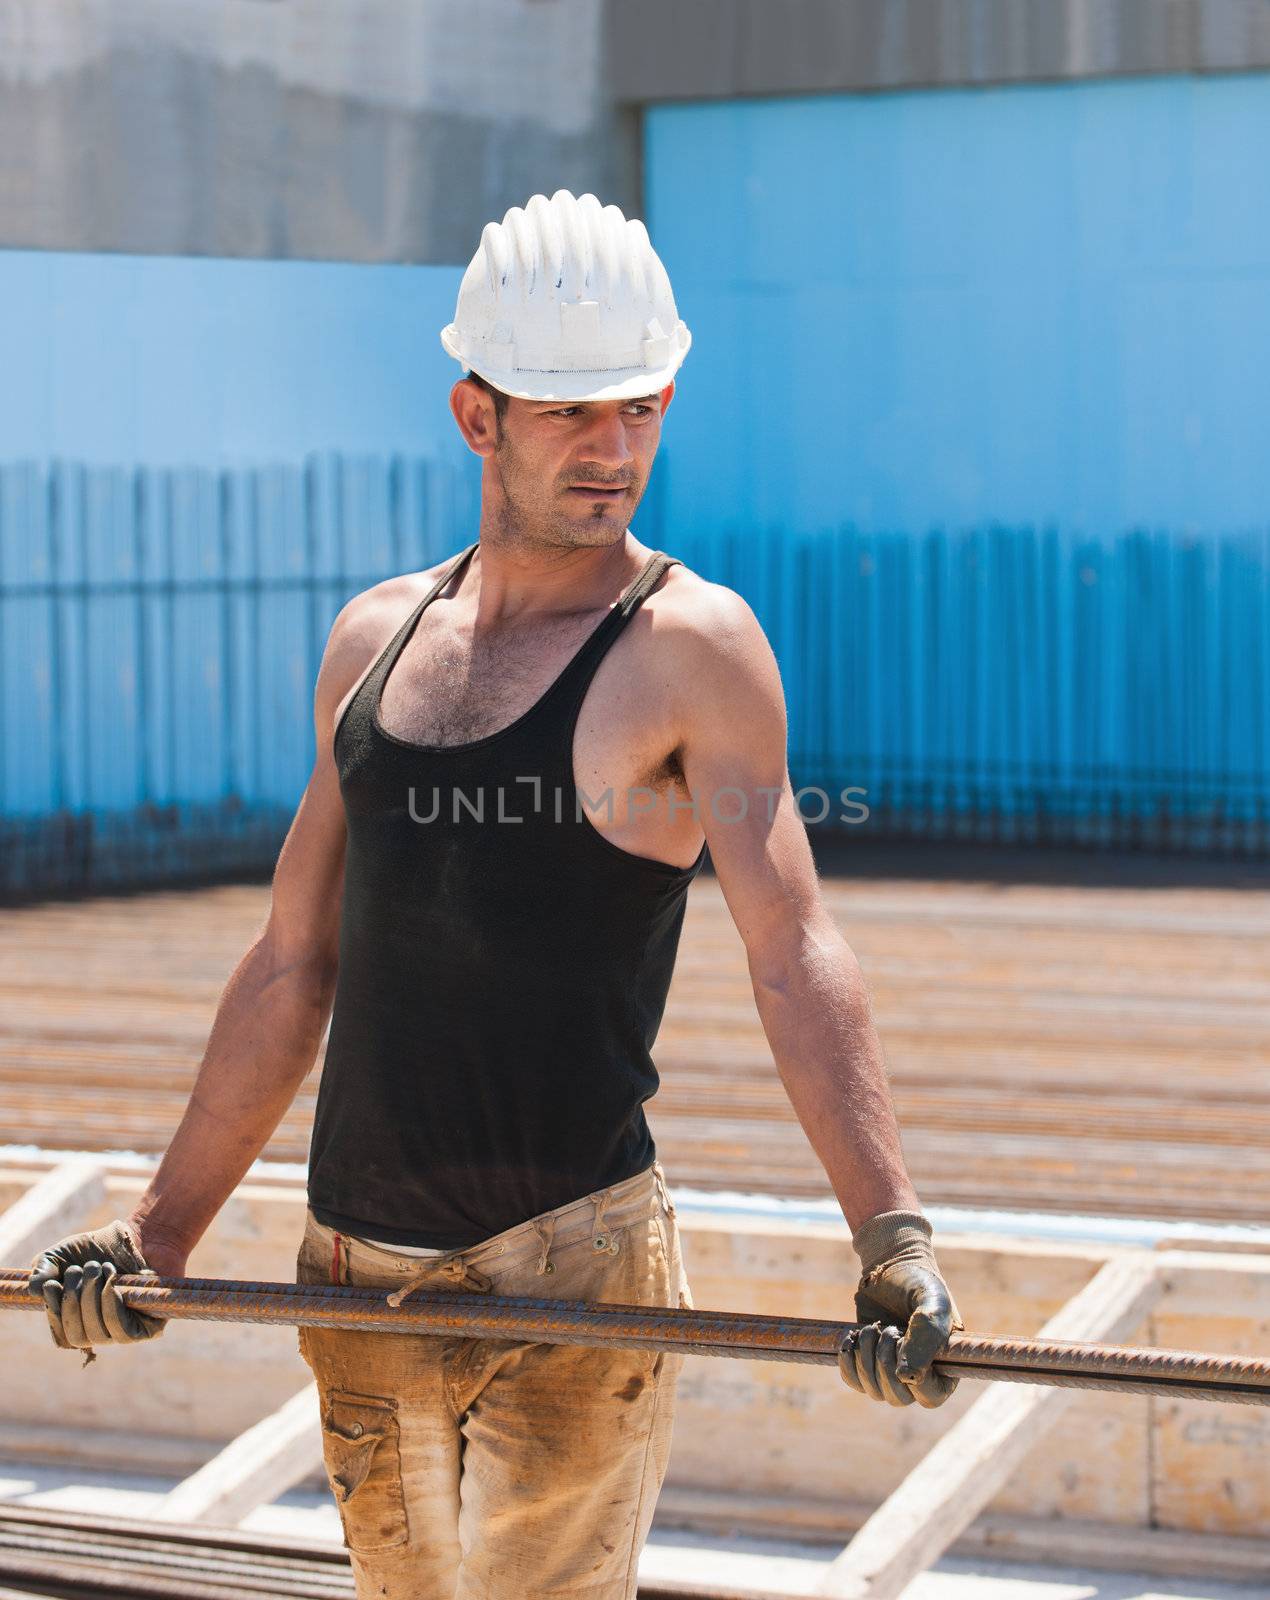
(490, 1470)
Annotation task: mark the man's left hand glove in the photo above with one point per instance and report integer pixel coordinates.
(906, 1311)
(75, 1279)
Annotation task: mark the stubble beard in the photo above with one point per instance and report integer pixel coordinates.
(530, 515)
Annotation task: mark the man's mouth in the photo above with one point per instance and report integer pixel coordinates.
(599, 490)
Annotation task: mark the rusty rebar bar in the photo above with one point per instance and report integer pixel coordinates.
(1243, 1380)
(82, 1555)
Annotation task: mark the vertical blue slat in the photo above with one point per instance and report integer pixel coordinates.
(835, 664)
(949, 795)
(787, 559)
(1031, 698)
(1210, 682)
(1113, 645)
(242, 489)
(26, 639)
(227, 527)
(317, 619)
(69, 653)
(164, 633)
(195, 667)
(1259, 758)
(307, 504)
(918, 722)
(283, 682)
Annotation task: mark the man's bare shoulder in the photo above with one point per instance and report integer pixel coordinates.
(364, 626)
(711, 662)
(386, 604)
(704, 622)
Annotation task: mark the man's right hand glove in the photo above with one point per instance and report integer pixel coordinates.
(906, 1314)
(75, 1279)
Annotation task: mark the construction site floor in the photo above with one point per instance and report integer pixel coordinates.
(779, 1566)
(1064, 1032)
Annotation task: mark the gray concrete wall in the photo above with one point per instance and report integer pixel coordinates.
(767, 47)
(363, 130)
(392, 130)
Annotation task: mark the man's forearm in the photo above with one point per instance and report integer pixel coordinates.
(815, 1011)
(263, 1043)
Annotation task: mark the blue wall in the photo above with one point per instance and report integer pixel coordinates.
(200, 460)
(158, 361)
(1019, 304)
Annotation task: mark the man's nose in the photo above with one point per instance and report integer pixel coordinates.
(605, 442)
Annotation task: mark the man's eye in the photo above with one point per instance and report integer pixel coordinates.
(566, 411)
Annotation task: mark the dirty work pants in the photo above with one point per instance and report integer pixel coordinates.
(490, 1470)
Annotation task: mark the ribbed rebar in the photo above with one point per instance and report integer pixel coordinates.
(91, 1556)
(443, 1312)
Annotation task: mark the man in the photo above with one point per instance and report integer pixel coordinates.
(522, 756)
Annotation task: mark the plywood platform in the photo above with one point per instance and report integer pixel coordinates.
(1082, 1046)
(1140, 1481)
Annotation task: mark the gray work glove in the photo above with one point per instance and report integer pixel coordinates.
(75, 1279)
(906, 1312)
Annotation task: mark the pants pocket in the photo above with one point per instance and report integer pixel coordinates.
(361, 1447)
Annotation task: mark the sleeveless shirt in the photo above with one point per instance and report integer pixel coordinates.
(503, 970)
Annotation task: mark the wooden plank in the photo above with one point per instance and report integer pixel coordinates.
(1054, 1541)
(52, 1207)
(253, 1469)
(942, 1496)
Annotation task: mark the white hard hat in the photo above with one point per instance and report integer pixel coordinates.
(567, 300)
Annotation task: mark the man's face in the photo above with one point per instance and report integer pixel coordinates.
(570, 472)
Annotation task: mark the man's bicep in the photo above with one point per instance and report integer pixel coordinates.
(736, 767)
(308, 882)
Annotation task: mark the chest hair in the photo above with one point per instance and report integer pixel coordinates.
(447, 687)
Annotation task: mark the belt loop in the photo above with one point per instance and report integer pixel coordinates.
(335, 1257)
(545, 1228)
(602, 1240)
(662, 1190)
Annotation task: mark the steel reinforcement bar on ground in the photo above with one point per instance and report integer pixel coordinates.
(1242, 1380)
(56, 1554)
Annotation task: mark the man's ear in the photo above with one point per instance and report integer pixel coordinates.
(474, 412)
(667, 395)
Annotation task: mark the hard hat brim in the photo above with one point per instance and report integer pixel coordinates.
(619, 383)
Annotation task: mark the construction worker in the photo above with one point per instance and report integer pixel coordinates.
(522, 757)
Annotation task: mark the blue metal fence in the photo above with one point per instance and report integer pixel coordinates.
(160, 633)
(1007, 684)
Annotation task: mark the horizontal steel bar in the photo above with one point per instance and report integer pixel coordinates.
(457, 1314)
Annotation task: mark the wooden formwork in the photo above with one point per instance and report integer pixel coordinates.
(1121, 1480)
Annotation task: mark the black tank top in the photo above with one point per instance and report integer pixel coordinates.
(501, 982)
